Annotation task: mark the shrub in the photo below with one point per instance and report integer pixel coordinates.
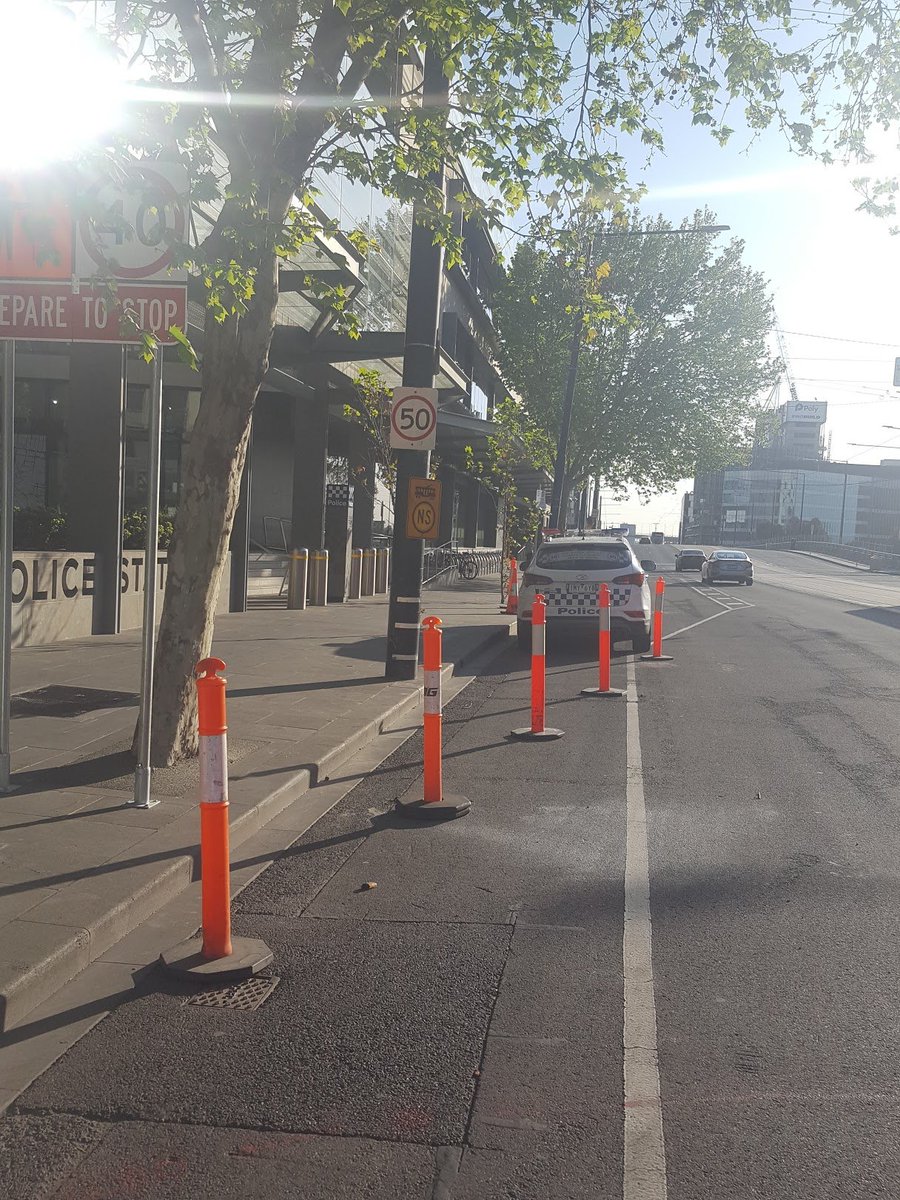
(134, 531)
(39, 528)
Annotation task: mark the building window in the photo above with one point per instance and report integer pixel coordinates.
(180, 407)
(41, 443)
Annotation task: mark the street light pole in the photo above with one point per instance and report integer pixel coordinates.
(423, 303)
(843, 506)
(565, 422)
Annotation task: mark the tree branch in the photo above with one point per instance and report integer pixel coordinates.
(196, 38)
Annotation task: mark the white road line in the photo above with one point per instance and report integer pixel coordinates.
(704, 592)
(684, 628)
(644, 1176)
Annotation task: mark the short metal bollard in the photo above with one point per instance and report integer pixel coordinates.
(318, 578)
(355, 575)
(216, 955)
(368, 572)
(382, 569)
(298, 571)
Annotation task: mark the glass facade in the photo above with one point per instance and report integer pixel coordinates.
(755, 506)
(381, 303)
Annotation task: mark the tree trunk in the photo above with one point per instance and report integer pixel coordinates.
(235, 360)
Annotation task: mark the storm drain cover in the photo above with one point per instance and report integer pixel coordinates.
(247, 995)
(58, 700)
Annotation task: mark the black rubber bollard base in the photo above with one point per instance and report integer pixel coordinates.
(414, 807)
(608, 694)
(656, 658)
(529, 735)
(249, 956)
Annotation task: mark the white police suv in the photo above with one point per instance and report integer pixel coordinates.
(568, 572)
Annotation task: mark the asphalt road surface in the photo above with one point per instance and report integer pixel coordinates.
(658, 959)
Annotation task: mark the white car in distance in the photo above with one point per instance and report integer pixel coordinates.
(568, 572)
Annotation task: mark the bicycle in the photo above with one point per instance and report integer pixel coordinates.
(467, 565)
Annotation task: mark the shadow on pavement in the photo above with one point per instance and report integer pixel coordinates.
(881, 616)
(85, 772)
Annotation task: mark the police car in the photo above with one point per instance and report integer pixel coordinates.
(568, 571)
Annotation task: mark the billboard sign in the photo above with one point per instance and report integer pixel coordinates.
(812, 412)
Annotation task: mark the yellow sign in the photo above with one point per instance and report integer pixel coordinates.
(423, 508)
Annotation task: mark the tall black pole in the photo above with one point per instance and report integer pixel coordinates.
(423, 302)
(843, 506)
(557, 517)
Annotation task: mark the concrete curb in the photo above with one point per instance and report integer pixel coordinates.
(172, 864)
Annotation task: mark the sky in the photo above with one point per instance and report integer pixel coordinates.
(834, 275)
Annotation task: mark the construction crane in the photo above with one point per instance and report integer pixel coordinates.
(782, 350)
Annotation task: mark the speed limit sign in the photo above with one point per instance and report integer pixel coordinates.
(414, 418)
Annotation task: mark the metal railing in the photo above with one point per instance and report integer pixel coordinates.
(864, 556)
(277, 534)
(446, 564)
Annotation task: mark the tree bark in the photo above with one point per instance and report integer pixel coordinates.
(235, 360)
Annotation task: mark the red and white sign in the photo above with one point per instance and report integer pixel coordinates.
(127, 232)
(35, 230)
(414, 418)
(53, 312)
(131, 225)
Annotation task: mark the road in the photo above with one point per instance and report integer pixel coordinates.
(658, 959)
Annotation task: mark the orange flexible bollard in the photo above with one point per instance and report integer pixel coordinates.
(431, 718)
(605, 650)
(215, 865)
(512, 593)
(537, 731)
(215, 955)
(658, 604)
(432, 805)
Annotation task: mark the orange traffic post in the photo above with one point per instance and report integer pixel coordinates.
(538, 732)
(512, 591)
(215, 954)
(604, 691)
(433, 804)
(658, 603)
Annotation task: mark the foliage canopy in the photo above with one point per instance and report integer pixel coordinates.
(674, 350)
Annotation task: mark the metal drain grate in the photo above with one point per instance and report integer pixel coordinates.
(246, 996)
(61, 700)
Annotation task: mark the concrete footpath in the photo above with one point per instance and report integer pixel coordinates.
(79, 869)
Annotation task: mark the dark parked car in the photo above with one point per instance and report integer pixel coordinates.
(727, 564)
(688, 559)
